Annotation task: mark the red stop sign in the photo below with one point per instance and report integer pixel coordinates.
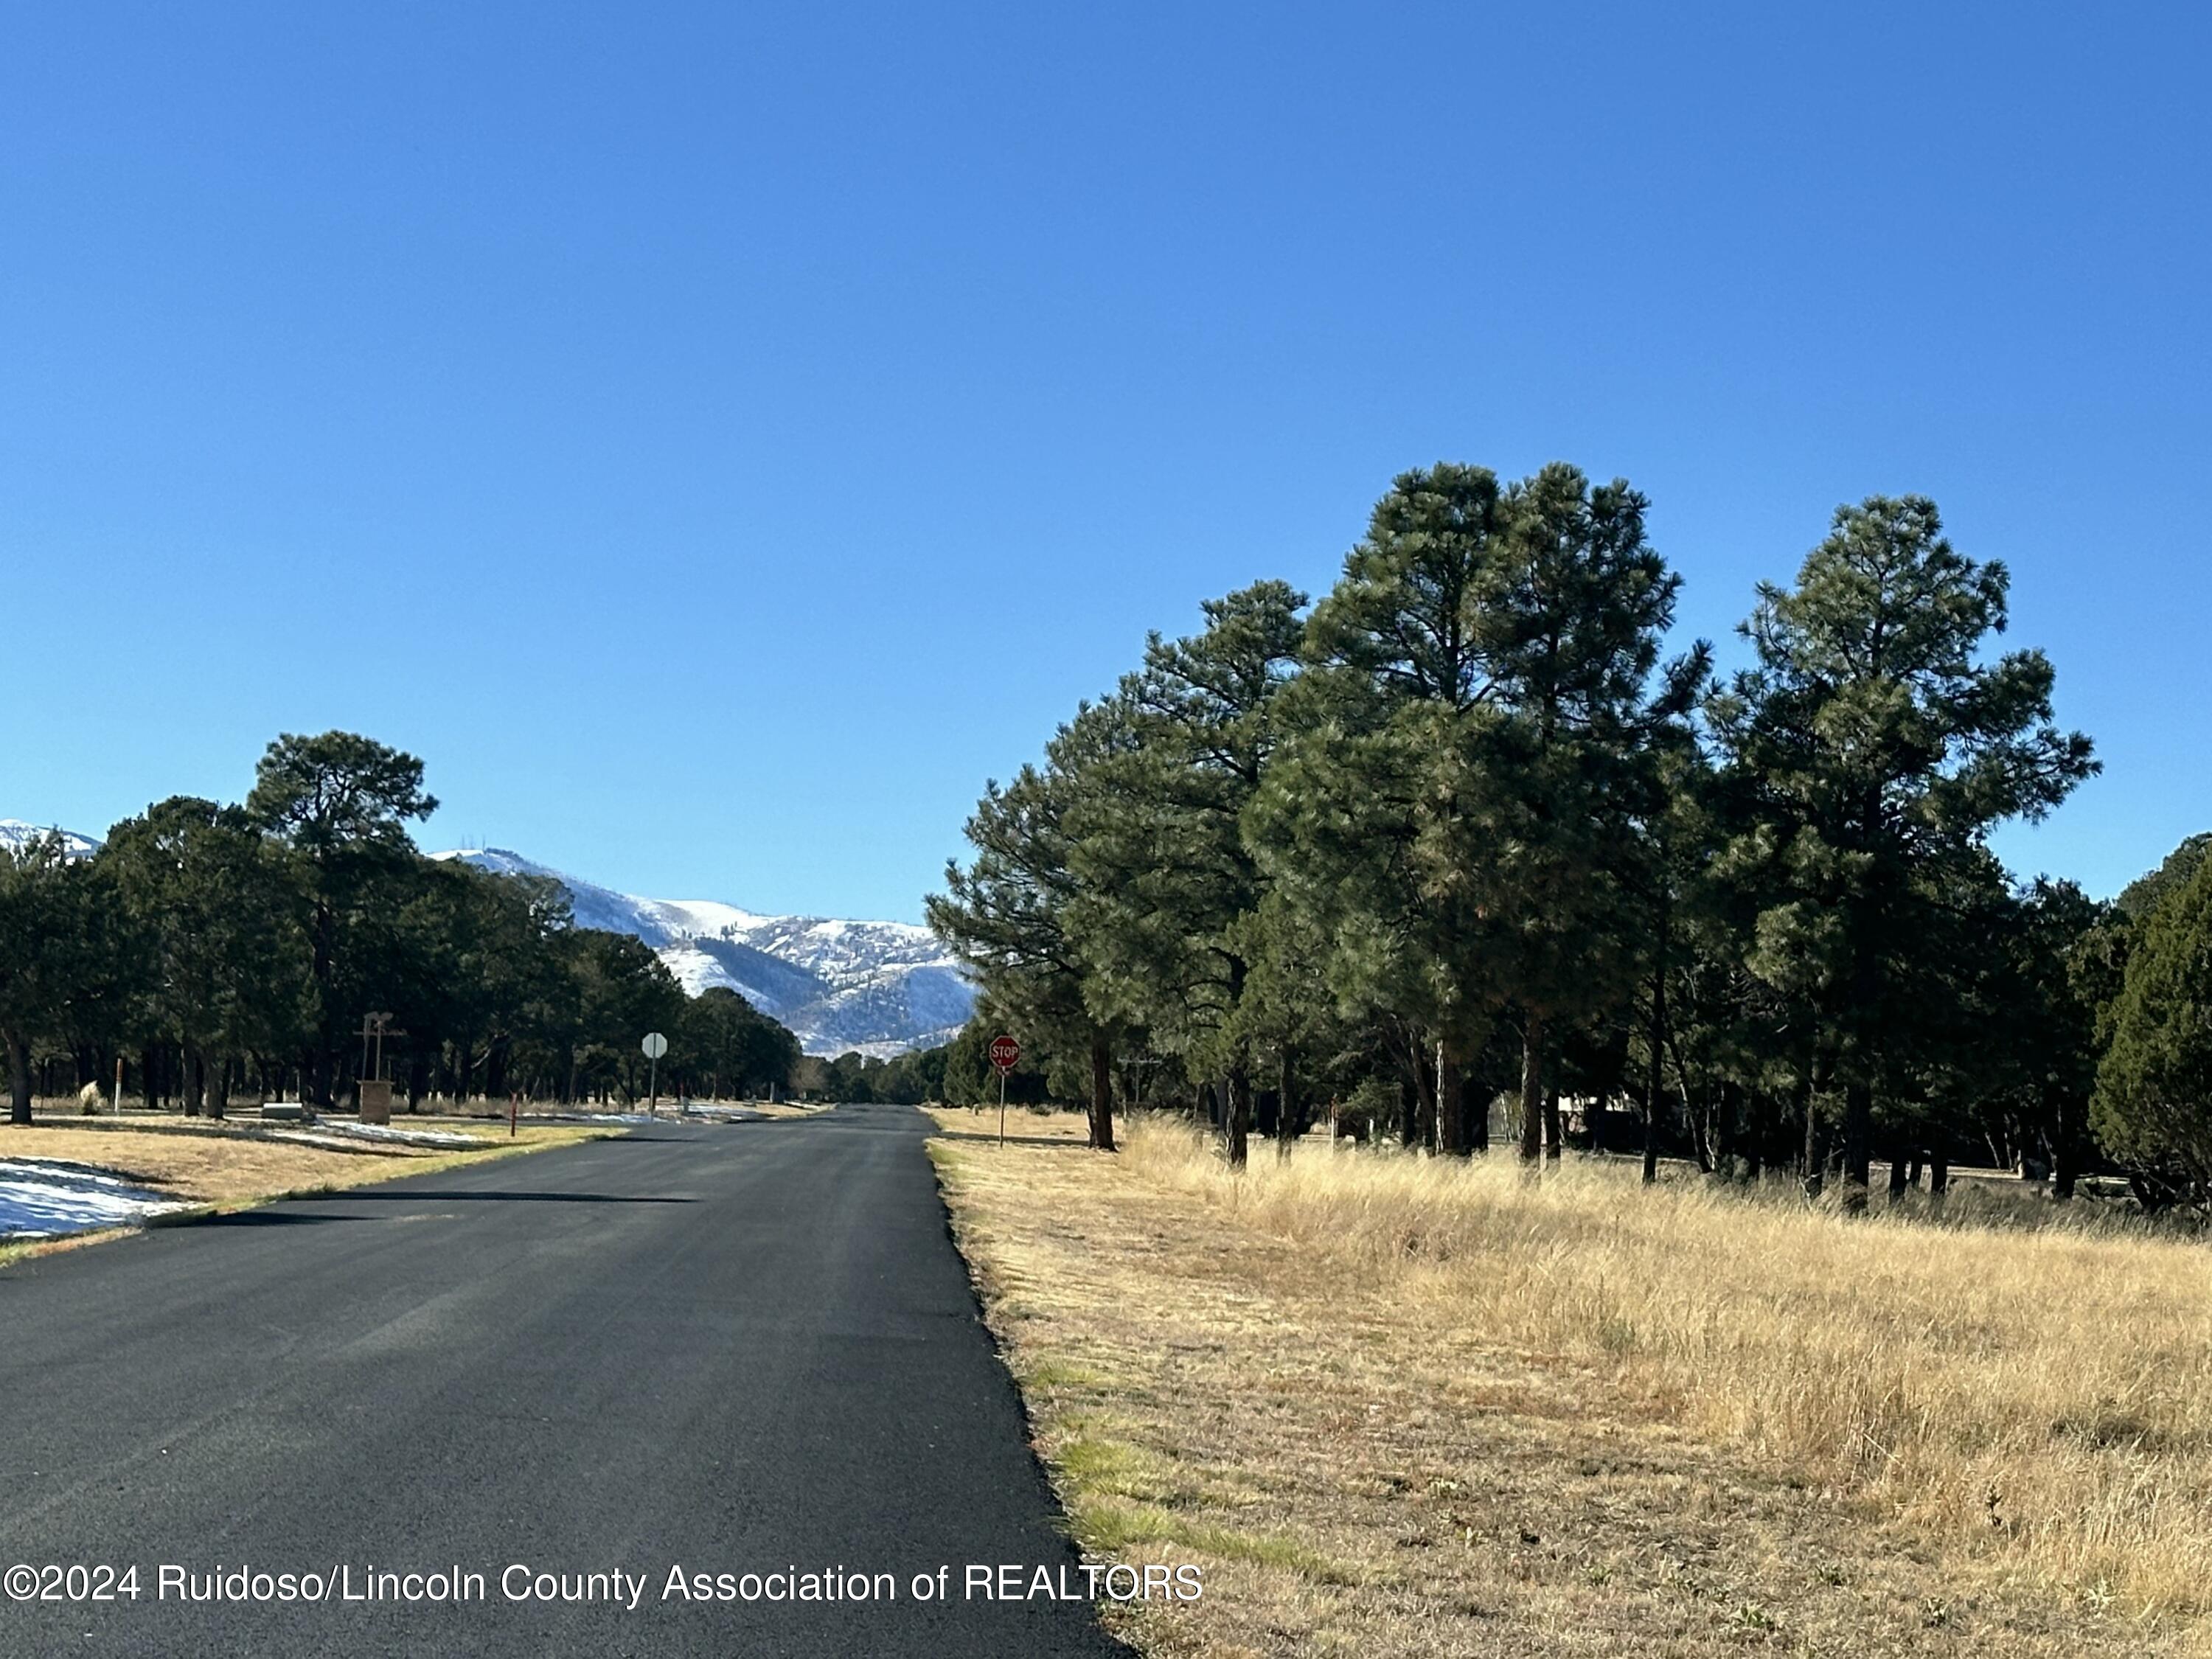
(1004, 1052)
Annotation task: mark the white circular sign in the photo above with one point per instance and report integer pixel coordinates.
(655, 1045)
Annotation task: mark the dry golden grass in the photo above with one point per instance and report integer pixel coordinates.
(1401, 1406)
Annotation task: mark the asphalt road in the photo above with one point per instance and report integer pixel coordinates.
(727, 1350)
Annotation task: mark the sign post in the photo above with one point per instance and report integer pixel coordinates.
(372, 1093)
(1005, 1053)
(655, 1045)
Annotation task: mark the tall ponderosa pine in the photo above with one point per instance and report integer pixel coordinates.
(1169, 884)
(2153, 1104)
(219, 936)
(52, 954)
(1474, 754)
(341, 802)
(1006, 914)
(1880, 752)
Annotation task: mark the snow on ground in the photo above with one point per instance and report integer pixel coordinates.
(45, 1198)
(379, 1132)
(590, 1117)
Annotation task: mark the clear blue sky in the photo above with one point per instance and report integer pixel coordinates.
(717, 438)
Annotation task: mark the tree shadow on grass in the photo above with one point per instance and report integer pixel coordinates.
(991, 1137)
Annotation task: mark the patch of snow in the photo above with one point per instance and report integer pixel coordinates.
(46, 1198)
(382, 1131)
(590, 1117)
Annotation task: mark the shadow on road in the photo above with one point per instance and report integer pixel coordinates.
(266, 1218)
(493, 1198)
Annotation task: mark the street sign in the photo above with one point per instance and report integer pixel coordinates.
(1004, 1052)
(655, 1045)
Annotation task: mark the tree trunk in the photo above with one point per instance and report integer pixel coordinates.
(2065, 1154)
(1290, 1119)
(1102, 1094)
(1531, 1088)
(1554, 1134)
(464, 1065)
(218, 1086)
(195, 1080)
(1654, 1078)
(1239, 1124)
(1859, 1134)
(1900, 1169)
(1809, 1111)
(1424, 1096)
(1451, 1104)
(19, 1079)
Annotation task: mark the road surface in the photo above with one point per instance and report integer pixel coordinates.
(698, 1351)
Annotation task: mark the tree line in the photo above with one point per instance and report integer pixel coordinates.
(221, 949)
(1462, 834)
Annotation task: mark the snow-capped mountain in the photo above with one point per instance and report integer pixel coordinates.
(15, 835)
(882, 988)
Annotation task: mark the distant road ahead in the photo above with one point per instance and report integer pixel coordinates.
(730, 1350)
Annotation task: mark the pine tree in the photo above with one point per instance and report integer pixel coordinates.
(1880, 750)
(219, 935)
(1168, 882)
(341, 802)
(1474, 753)
(1007, 914)
(2153, 1102)
(52, 955)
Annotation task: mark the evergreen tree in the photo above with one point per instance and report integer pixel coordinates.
(341, 803)
(53, 954)
(1458, 809)
(1007, 914)
(2153, 1102)
(1167, 882)
(219, 933)
(1880, 750)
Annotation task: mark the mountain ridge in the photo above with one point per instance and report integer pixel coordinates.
(879, 987)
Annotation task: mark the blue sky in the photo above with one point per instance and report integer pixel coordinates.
(717, 438)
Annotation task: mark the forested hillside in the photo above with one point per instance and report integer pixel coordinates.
(1470, 831)
(218, 949)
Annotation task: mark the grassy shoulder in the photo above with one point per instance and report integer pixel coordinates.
(1393, 1405)
(231, 1169)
